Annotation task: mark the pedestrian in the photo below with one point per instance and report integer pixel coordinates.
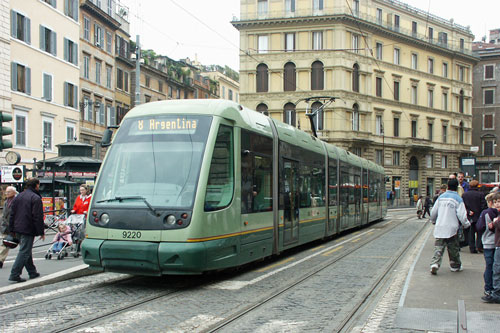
(427, 206)
(475, 204)
(26, 221)
(462, 182)
(488, 239)
(420, 207)
(82, 202)
(10, 194)
(442, 189)
(447, 214)
(494, 296)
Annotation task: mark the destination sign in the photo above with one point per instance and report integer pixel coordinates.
(167, 124)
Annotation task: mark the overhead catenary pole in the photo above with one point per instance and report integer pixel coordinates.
(137, 72)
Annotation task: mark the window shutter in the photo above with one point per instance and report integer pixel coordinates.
(66, 7)
(27, 30)
(320, 4)
(75, 97)
(42, 37)
(101, 39)
(75, 54)
(113, 116)
(75, 10)
(53, 43)
(293, 6)
(95, 34)
(45, 87)
(28, 81)
(66, 93)
(13, 23)
(49, 87)
(13, 76)
(66, 49)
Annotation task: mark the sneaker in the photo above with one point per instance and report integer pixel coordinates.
(487, 293)
(17, 279)
(434, 269)
(34, 276)
(456, 269)
(490, 299)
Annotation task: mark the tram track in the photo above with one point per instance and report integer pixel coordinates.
(352, 313)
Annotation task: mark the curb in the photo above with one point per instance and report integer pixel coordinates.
(70, 273)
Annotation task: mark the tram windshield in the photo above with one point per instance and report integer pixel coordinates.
(156, 158)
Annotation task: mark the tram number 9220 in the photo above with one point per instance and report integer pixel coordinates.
(132, 234)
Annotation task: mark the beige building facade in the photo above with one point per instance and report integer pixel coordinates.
(44, 76)
(5, 93)
(227, 87)
(402, 80)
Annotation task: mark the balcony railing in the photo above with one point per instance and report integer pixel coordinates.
(331, 11)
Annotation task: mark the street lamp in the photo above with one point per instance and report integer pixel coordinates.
(44, 148)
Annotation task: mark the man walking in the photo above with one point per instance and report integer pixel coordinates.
(10, 193)
(447, 213)
(26, 220)
(474, 204)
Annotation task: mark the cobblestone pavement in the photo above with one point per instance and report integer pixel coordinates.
(318, 304)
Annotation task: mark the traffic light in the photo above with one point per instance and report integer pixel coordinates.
(4, 118)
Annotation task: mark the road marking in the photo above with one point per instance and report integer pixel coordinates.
(332, 251)
(356, 240)
(236, 285)
(275, 265)
(317, 248)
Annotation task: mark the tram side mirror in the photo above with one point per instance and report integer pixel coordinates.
(106, 138)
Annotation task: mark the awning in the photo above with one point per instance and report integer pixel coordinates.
(62, 181)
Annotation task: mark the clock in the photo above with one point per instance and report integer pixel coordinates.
(12, 157)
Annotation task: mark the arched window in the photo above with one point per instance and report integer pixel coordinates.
(289, 77)
(461, 102)
(262, 108)
(317, 80)
(289, 114)
(461, 133)
(319, 120)
(355, 78)
(262, 78)
(355, 117)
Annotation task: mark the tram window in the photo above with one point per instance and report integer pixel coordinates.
(220, 185)
(305, 186)
(357, 189)
(332, 183)
(365, 185)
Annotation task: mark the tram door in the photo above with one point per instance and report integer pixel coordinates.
(291, 201)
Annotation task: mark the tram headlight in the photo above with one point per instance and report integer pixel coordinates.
(104, 218)
(170, 220)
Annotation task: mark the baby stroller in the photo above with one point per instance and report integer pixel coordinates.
(52, 219)
(62, 240)
(76, 223)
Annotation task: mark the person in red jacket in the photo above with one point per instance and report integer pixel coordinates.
(82, 202)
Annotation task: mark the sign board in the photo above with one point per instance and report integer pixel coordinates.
(468, 161)
(413, 183)
(397, 184)
(474, 149)
(12, 174)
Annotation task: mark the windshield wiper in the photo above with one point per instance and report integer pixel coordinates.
(132, 197)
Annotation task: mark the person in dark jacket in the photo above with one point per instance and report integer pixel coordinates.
(427, 206)
(475, 204)
(26, 221)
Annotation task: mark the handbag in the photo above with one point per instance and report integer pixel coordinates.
(11, 242)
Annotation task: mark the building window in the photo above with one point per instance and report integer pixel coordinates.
(396, 90)
(47, 87)
(396, 127)
(413, 128)
(317, 40)
(70, 51)
(86, 28)
(445, 69)
(461, 134)
(431, 34)
(148, 81)
(445, 101)
(379, 156)
(262, 78)
(356, 151)
(262, 108)
(488, 148)
(378, 86)
(160, 86)
(445, 134)
(320, 119)
(48, 39)
(379, 129)
(71, 8)
(70, 132)
(396, 22)
(21, 130)
(462, 44)
(230, 94)
(443, 39)
(20, 27)
(47, 134)
(109, 70)
(290, 6)
(100, 116)
(414, 61)
(489, 72)
(178, 96)
(355, 117)
(444, 162)
(396, 56)
(20, 78)
(110, 115)
(70, 95)
(289, 42)
(429, 161)
(355, 43)
(109, 7)
(98, 65)
(119, 78)
(355, 7)
(488, 121)
(98, 36)
(317, 5)
(170, 92)
(263, 46)
(109, 41)
(489, 96)
(379, 16)
(289, 77)
(414, 95)
(414, 28)
(378, 51)
(355, 78)
(395, 158)
(430, 94)
(317, 79)
(430, 127)
(262, 7)
(289, 114)
(430, 65)
(223, 92)
(86, 66)
(87, 109)
(461, 73)
(461, 102)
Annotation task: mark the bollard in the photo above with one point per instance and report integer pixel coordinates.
(461, 317)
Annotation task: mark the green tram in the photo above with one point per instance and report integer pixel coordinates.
(190, 186)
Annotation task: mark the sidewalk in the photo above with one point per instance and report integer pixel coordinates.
(431, 301)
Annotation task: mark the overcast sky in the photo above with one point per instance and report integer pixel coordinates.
(202, 28)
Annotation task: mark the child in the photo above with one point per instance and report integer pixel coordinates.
(488, 239)
(494, 296)
(62, 237)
